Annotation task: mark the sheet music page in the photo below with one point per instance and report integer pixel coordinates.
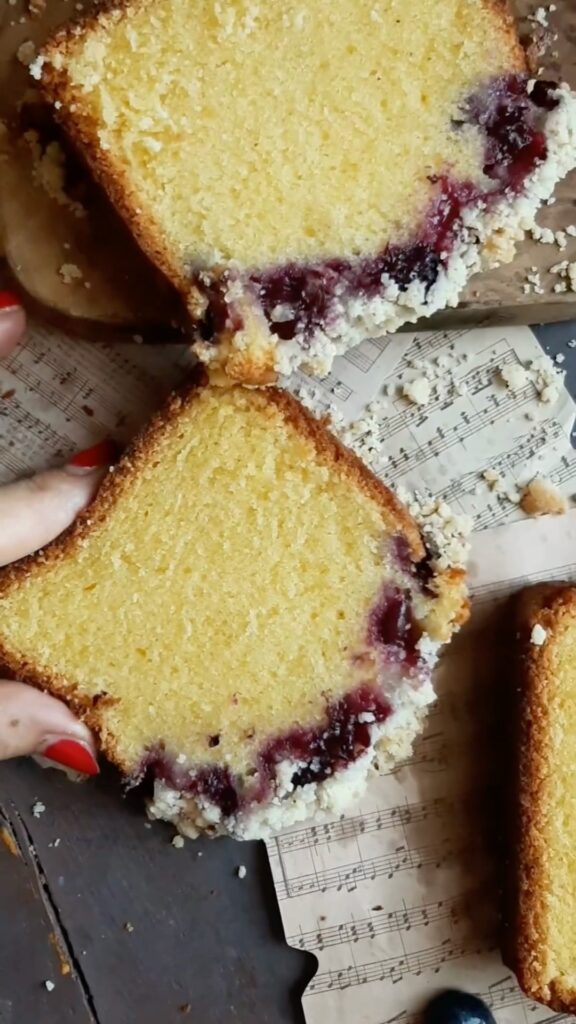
(397, 899)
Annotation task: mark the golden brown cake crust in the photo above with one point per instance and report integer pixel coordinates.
(450, 585)
(549, 606)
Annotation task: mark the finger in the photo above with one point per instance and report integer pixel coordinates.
(12, 322)
(35, 510)
(32, 722)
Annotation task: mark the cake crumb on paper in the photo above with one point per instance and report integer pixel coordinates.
(38, 808)
(178, 842)
(49, 986)
(542, 498)
(418, 391)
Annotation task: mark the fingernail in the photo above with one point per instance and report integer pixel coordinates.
(9, 301)
(105, 453)
(72, 754)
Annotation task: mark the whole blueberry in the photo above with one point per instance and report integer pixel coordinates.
(453, 1007)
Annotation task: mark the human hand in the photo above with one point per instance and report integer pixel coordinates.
(32, 513)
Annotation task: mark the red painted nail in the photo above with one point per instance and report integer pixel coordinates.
(73, 755)
(105, 453)
(9, 301)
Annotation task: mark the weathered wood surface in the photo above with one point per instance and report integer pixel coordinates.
(201, 936)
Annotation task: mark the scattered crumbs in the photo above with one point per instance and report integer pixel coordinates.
(36, 8)
(241, 872)
(560, 358)
(137, 338)
(178, 842)
(147, 824)
(38, 808)
(26, 53)
(418, 391)
(9, 842)
(128, 926)
(538, 635)
(181, 759)
(49, 986)
(515, 376)
(185, 1008)
(70, 272)
(446, 533)
(55, 843)
(493, 479)
(542, 498)
(541, 372)
(572, 343)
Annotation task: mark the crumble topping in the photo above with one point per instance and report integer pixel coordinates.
(538, 635)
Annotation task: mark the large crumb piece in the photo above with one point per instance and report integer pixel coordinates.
(542, 498)
(418, 391)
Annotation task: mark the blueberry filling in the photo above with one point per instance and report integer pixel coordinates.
(392, 628)
(344, 737)
(298, 299)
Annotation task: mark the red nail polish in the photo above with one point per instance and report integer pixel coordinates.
(105, 453)
(9, 301)
(72, 755)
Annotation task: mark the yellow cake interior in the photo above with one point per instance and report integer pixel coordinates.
(289, 129)
(224, 593)
(556, 872)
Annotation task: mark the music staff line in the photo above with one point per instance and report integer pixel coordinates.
(393, 968)
(528, 446)
(359, 825)
(433, 343)
(349, 876)
(441, 443)
(499, 995)
(490, 592)
(379, 923)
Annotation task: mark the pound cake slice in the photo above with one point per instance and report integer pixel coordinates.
(245, 615)
(309, 174)
(541, 930)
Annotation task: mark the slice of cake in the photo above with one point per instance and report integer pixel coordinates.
(541, 931)
(309, 174)
(245, 615)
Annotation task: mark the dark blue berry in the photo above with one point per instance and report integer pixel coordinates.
(453, 1007)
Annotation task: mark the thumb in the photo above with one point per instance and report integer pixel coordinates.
(32, 722)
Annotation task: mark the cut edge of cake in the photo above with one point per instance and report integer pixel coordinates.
(245, 348)
(540, 611)
(445, 609)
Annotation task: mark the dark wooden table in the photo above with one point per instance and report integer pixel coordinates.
(145, 933)
(129, 929)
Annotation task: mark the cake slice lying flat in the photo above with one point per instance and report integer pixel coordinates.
(307, 173)
(541, 938)
(245, 615)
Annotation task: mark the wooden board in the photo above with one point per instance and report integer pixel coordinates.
(495, 297)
